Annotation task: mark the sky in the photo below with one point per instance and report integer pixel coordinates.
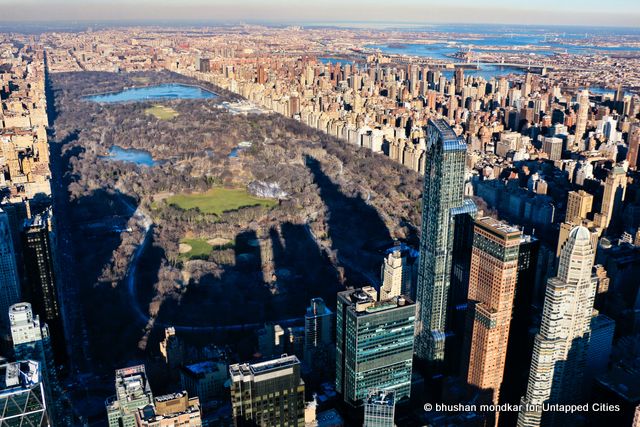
(549, 12)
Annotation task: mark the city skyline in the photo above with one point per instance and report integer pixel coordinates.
(547, 12)
(330, 223)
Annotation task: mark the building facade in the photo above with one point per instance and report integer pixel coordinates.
(374, 345)
(492, 283)
(579, 204)
(22, 397)
(443, 191)
(171, 410)
(560, 348)
(268, 393)
(41, 279)
(318, 335)
(379, 409)
(31, 342)
(10, 289)
(132, 393)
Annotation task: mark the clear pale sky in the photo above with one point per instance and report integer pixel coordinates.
(551, 12)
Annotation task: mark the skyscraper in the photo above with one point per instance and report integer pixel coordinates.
(22, 396)
(268, 393)
(459, 77)
(318, 334)
(615, 187)
(31, 342)
(464, 220)
(552, 146)
(492, 282)
(633, 140)
(379, 409)
(443, 191)
(583, 114)
(520, 346)
(10, 283)
(396, 275)
(560, 347)
(41, 282)
(600, 345)
(132, 392)
(374, 344)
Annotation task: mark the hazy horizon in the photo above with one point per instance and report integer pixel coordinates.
(496, 12)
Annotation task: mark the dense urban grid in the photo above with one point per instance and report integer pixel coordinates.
(319, 226)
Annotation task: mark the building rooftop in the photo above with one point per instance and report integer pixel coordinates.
(443, 129)
(624, 383)
(381, 397)
(499, 227)
(317, 308)
(329, 418)
(451, 141)
(20, 375)
(256, 369)
(364, 301)
(202, 368)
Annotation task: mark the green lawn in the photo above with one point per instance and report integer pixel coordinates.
(200, 249)
(161, 112)
(218, 200)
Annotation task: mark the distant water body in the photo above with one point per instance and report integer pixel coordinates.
(154, 93)
(130, 155)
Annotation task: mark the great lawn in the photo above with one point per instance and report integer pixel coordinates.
(218, 200)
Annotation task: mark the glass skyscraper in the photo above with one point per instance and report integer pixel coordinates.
(443, 195)
(374, 345)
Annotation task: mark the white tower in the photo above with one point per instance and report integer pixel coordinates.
(560, 348)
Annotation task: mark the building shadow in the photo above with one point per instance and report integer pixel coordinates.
(354, 227)
(309, 271)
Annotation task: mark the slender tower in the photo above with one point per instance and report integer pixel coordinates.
(583, 114)
(615, 187)
(443, 192)
(560, 348)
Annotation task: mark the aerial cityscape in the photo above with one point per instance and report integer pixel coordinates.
(323, 215)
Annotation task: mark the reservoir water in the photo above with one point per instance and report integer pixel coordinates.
(154, 93)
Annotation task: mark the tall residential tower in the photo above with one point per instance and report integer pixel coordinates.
(443, 192)
(583, 114)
